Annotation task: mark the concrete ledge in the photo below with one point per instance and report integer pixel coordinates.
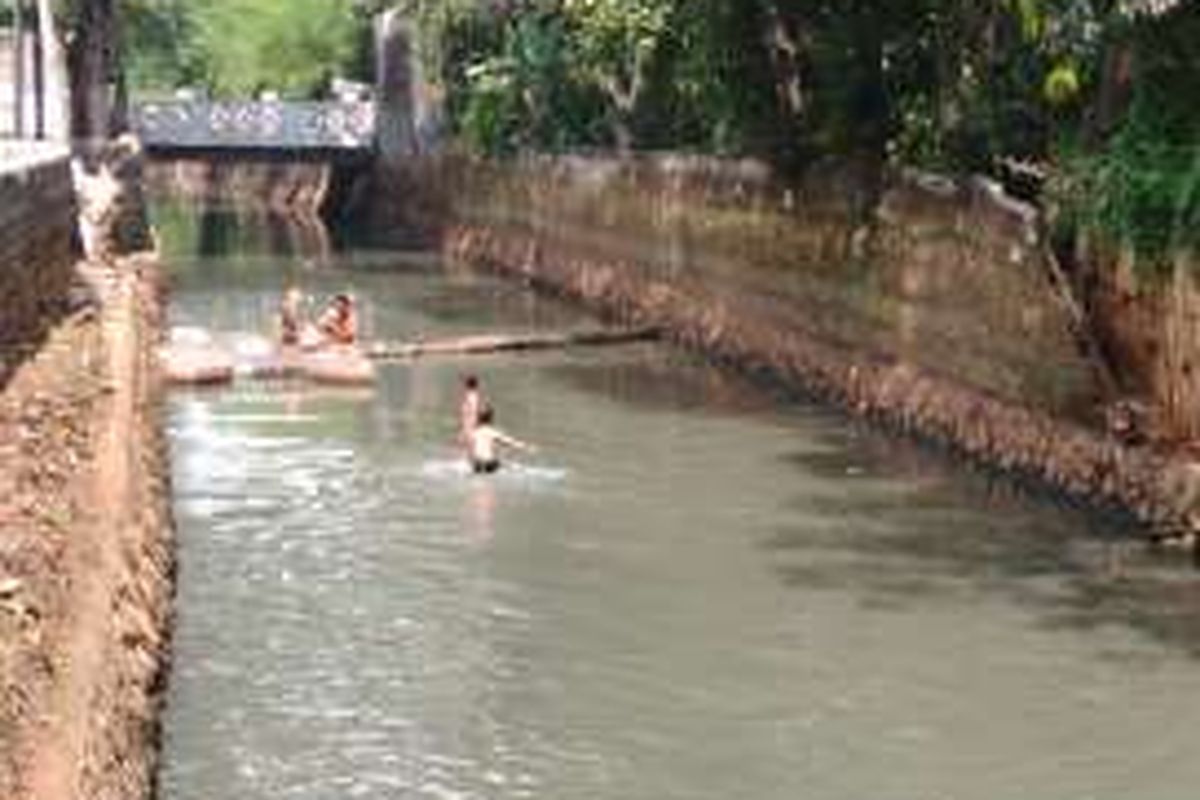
(17, 156)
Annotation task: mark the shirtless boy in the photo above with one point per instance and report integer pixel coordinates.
(484, 443)
(468, 409)
(339, 322)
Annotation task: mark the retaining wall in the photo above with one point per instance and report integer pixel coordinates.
(927, 304)
(279, 182)
(37, 223)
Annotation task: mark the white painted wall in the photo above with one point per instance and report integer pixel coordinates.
(57, 108)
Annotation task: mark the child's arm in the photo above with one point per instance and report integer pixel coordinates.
(515, 443)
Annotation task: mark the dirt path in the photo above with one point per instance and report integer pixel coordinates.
(85, 727)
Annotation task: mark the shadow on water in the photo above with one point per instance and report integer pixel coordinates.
(905, 544)
(220, 230)
(929, 527)
(677, 382)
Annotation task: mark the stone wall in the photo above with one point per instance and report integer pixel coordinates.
(1148, 321)
(37, 222)
(927, 304)
(274, 183)
(947, 278)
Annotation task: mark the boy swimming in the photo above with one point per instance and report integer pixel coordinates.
(484, 443)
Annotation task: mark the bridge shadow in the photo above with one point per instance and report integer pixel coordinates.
(937, 537)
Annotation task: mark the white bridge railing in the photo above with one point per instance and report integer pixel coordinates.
(258, 125)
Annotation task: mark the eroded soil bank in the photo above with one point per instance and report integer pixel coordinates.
(86, 565)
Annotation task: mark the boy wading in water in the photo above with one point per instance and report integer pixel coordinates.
(484, 443)
(468, 410)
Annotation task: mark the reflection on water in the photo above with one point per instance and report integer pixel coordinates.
(210, 230)
(693, 590)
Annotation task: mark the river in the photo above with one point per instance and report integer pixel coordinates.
(696, 588)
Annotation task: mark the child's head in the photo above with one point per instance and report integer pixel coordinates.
(487, 415)
(471, 382)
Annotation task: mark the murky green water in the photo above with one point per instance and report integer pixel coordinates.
(694, 590)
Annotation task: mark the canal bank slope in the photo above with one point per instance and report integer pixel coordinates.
(86, 564)
(926, 304)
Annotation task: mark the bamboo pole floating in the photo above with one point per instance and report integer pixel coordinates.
(498, 343)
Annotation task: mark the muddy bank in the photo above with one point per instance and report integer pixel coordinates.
(928, 306)
(86, 569)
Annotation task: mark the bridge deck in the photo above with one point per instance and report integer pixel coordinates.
(323, 127)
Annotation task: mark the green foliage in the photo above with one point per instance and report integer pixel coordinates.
(158, 33)
(1098, 96)
(1141, 188)
(240, 47)
(292, 47)
(1062, 84)
(1142, 192)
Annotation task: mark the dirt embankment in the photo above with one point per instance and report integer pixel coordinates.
(86, 563)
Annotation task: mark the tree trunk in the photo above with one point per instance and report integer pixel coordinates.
(622, 134)
(1116, 86)
(871, 110)
(623, 102)
(786, 54)
(92, 63)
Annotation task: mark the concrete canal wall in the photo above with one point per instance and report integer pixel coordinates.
(277, 183)
(271, 183)
(37, 219)
(929, 305)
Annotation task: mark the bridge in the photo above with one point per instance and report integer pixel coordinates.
(317, 130)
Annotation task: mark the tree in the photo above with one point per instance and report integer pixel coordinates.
(240, 47)
(94, 66)
(614, 46)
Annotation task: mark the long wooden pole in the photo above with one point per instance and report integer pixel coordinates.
(501, 343)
